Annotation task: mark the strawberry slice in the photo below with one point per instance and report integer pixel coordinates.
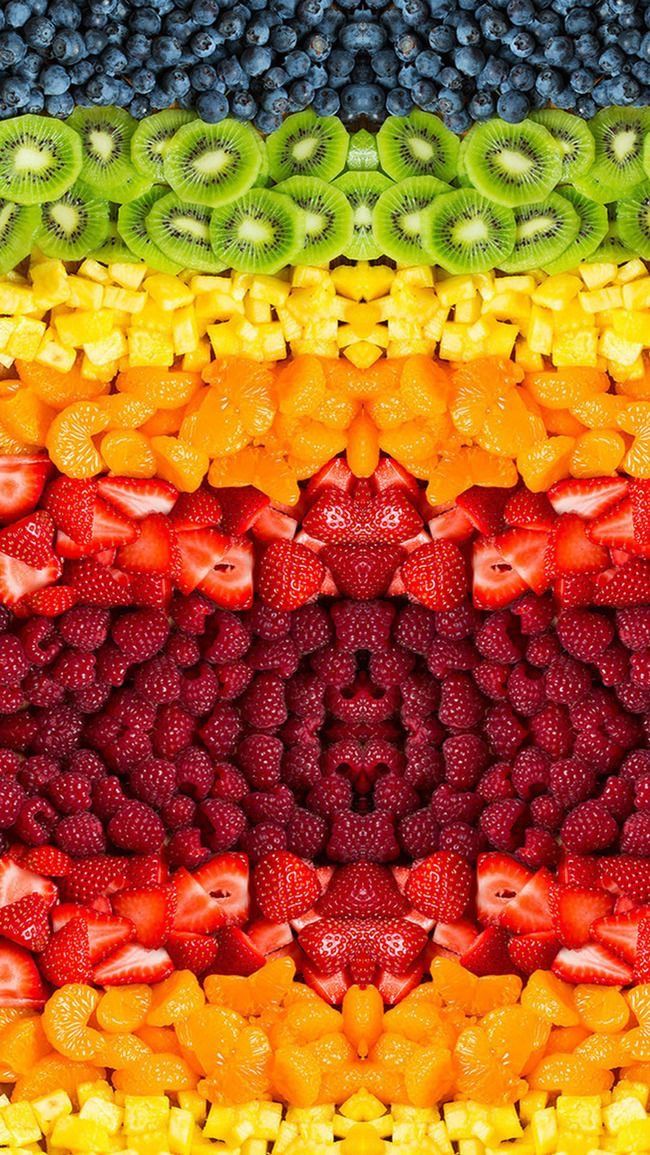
(589, 497)
(199, 551)
(615, 528)
(640, 499)
(274, 524)
(227, 878)
(230, 582)
(18, 580)
(573, 550)
(389, 474)
(66, 958)
(240, 508)
(338, 475)
(289, 575)
(455, 937)
(193, 952)
(151, 589)
(495, 583)
(52, 601)
(20, 982)
(16, 882)
(71, 502)
(26, 922)
(592, 963)
(109, 529)
(268, 936)
(136, 497)
(196, 910)
(499, 879)
(484, 506)
(577, 908)
(577, 870)
(620, 932)
(198, 510)
(526, 510)
(22, 479)
(154, 551)
(488, 954)
(393, 988)
(148, 870)
(574, 589)
(625, 585)
(330, 987)
(133, 963)
(452, 524)
(105, 931)
(30, 539)
(529, 911)
(526, 551)
(532, 952)
(48, 860)
(238, 954)
(435, 574)
(151, 910)
(362, 571)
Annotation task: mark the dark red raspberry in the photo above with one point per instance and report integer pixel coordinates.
(535, 613)
(584, 634)
(153, 781)
(363, 625)
(461, 704)
(158, 680)
(140, 634)
(619, 798)
(542, 649)
(539, 848)
(504, 823)
(418, 833)
(572, 781)
(530, 773)
(191, 613)
(84, 627)
(633, 627)
(614, 665)
(71, 793)
(185, 848)
(311, 628)
(229, 783)
(393, 794)
(112, 665)
(74, 669)
(461, 622)
(12, 797)
(589, 828)
(268, 623)
(526, 691)
(263, 839)
(357, 836)
(39, 640)
(80, 835)
(276, 805)
(465, 757)
(306, 834)
(108, 796)
(173, 730)
(504, 730)
(331, 796)
(194, 773)
(136, 827)
(551, 730)
(260, 758)
(546, 811)
(179, 812)
(227, 639)
(14, 663)
(492, 679)
(497, 638)
(449, 805)
(36, 821)
(263, 705)
(301, 767)
(635, 836)
(461, 839)
(496, 783)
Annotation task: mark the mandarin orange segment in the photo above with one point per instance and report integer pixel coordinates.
(337, 410)
(125, 411)
(546, 462)
(597, 453)
(306, 1021)
(23, 1043)
(638, 999)
(600, 412)
(69, 439)
(424, 385)
(564, 388)
(258, 466)
(65, 1021)
(551, 998)
(570, 1075)
(412, 441)
(636, 421)
(209, 1035)
(123, 1009)
(363, 446)
(160, 388)
(560, 421)
(601, 1008)
(475, 387)
(117, 1051)
(418, 1021)
(301, 387)
(179, 462)
(606, 1051)
(564, 1040)
(429, 1076)
(246, 1073)
(26, 417)
(394, 1051)
(55, 1073)
(313, 441)
(155, 1075)
(516, 1035)
(363, 1017)
(481, 1075)
(295, 1076)
(165, 421)
(60, 389)
(388, 410)
(159, 1039)
(508, 427)
(128, 453)
(175, 998)
(247, 385)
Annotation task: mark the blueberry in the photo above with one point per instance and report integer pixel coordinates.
(513, 107)
(205, 12)
(101, 90)
(587, 46)
(520, 12)
(284, 38)
(521, 43)
(31, 66)
(258, 31)
(55, 80)
(256, 60)
(326, 102)
(449, 101)
(137, 48)
(297, 64)
(611, 61)
(406, 77)
(522, 77)
(202, 77)
(318, 75)
(458, 121)
(399, 102)
(624, 90)
(231, 72)
(548, 83)
(559, 50)
(140, 107)
(441, 39)
(267, 122)
(428, 63)
(143, 81)
(276, 77)
(39, 32)
(423, 92)
(176, 82)
(212, 106)
(276, 101)
(451, 78)
(17, 14)
(318, 46)
(204, 42)
(341, 63)
(65, 14)
(146, 20)
(96, 42)
(15, 93)
(481, 106)
(644, 49)
(232, 24)
(12, 49)
(407, 46)
(68, 47)
(301, 93)
(60, 105)
(362, 99)
(114, 61)
(469, 61)
(166, 51)
(493, 75)
(468, 32)
(565, 98)
(242, 105)
(493, 25)
(586, 107)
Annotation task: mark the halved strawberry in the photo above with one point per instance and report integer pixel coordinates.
(362, 571)
(227, 878)
(573, 550)
(137, 497)
(17, 882)
(22, 479)
(240, 508)
(625, 585)
(20, 982)
(532, 952)
(151, 589)
(527, 510)
(614, 528)
(577, 908)
(336, 474)
(66, 958)
(592, 963)
(488, 954)
(26, 922)
(574, 589)
(30, 540)
(268, 936)
(526, 551)
(587, 496)
(196, 910)
(199, 551)
(393, 988)
(499, 879)
(452, 524)
(495, 583)
(529, 911)
(389, 474)
(330, 987)
(105, 931)
(456, 937)
(97, 584)
(155, 550)
(109, 529)
(148, 870)
(238, 954)
(274, 524)
(193, 952)
(70, 501)
(577, 870)
(18, 580)
(640, 499)
(48, 860)
(91, 877)
(198, 510)
(230, 582)
(150, 909)
(52, 601)
(620, 932)
(484, 506)
(626, 874)
(133, 963)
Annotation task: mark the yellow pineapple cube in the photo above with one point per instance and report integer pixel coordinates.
(272, 290)
(144, 1113)
(634, 1137)
(50, 283)
(532, 1102)
(636, 295)
(16, 299)
(362, 1107)
(434, 324)
(505, 1123)
(52, 353)
(362, 281)
(49, 1108)
(575, 347)
(596, 300)
(110, 349)
(467, 312)
(597, 274)
(7, 326)
(418, 275)
(85, 294)
(217, 306)
(185, 332)
(458, 1120)
(129, 275)
(440, 1137)
(168, 292)
(77, 1134)
(544, 1131)
(199, 357)
(539, 331)
(219, 1122)
(194, 1103)
(150, 348)
(632, 325)
(124, 300)
(258, 312)
(556, 292)
(305, 276)
(625, 1089)
(631, 271)
(471, 1147)
(181, 1131)
(524, 356)
(149, 1143)
(271, 341)
(618, 348)
(621, 1112)
(98, 1090)
(508, 306)
(108, 1114)
(206, 283)
(226, 339)
(523, 283)
(94, 271)
(579, 1112)
(498, 337)
(26, 338)
(80, 327)
(454, 290)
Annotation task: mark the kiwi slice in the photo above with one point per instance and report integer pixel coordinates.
(362, 189)
(151, 138)
(633, 221)
(574, 138)
(327, 218)
(513, 164)
(593, 228)
(308, 145)
(40, 158)
(182, 233)
(462, 177)
(106, 142)
(611, 249)
(417, 145)
(113, 248)
(400, 216)
(18, 224)
(212, 164)
(468, 233)
(362, 152)
(619, 135)
(261, 232)
(132, 227)
(542, 232)
(263, 177)
(73, 224)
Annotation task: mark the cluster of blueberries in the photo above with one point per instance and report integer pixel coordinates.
(258, 60)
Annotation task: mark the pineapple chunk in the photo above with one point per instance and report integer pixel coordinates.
(109, 1115)
(168, 292)
(544, 1131)
(49, 1108)
(579, 1112)
(598, 274)
(144, 1113)
(634, 1137)
(85, 294)
(80, 1135)
(50, 284)
(621, 1112)
(181, 1131)
(26, 339)
(555, 293)
(631, 271)
(101, 1089)
(128, 275)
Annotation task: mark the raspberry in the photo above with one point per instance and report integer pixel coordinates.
(640, 669)
(74, 669)
(588, 828)
(535, 613)
(173, 730)
(311, 628)
(12, 797)
(108, 796)
(128, 750)
(503, 823)
(331, 796)
(530, 773)
(571, 781)
(229, 783)
(112, 665)
(58, 730)
(158, 681)
(633, 698)
(449, 805)
(505, 732)
(90, 700)
(41, 690)
(301, 767)
(80, 835)
(418, 833)
(280, 656)
(461, 839)
(391, 667)
(199, 690)
(136, 827)
(636, 765)
(36, 822)
(461, 622)
(12, 699)
(40, 641)
(492, 679)
(614, 665)
(445, 655)
(551, 730)
(179, 812)
(84, 627)
(14, 663)
(496, 783)
(497, 638)
(567, 681)
(306, 834)
(526, 692)
(363, 625)
(263, 705)
(153, 781)
(393, 794)
(619, 798)
(221, 731)
(539, 848)
(546, 811)
(465, 757)
(542, 649)
(268, 623)
(183, 651)
(227, 640)
(70, 793)
(415, 628)
(461, 703)
(598, 750)
(260, 758)
(334, 667)
(192, 612)
(262, 839)
(420, 697)
(305, 697)
(193, 772)
(584, 634)
(277, 805)
(223, 823)
(9, 762)
(185, 848)
(140, 634)
(233, 680)
(36, 772)
(635, 836)
(633, 627)
(363, 836)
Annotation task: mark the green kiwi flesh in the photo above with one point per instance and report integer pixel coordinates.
(132, 227)
(513, 164)
(73, 224)
(113, 248)
(182, 233)
(574, 138)
(593, 229)
(327, 218)
(40, 158)
(152, 137)
(18, 225)
(362, 153)
(417, 145)
(212, 164)
(106, 142)
(620, 135)
(307, 145)
(633, 221)
(400, 216)
(468, 233)
(542, 232)
(262, 232)
(362, 189)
